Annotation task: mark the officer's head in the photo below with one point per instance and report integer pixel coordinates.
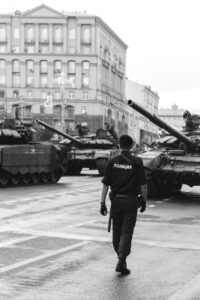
(126, 142)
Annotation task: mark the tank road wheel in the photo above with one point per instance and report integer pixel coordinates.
(100, 165)
(35, 177)
(55, 176)
(15, 179)
(26, 178)
(4, 178)
(45, 177)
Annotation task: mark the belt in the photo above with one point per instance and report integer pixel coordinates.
(124, 196)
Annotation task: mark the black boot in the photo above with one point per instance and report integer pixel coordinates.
(122, 267)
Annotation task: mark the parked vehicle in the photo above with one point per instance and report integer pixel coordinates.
(175, 158)
(23, 160)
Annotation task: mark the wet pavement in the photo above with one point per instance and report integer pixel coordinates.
(55, 245)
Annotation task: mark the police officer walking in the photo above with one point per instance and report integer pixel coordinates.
(124, 174)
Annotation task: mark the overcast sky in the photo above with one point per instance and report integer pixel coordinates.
(162, 37)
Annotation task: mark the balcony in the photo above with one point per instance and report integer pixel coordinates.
(58, 42)
(30, 41)
(44, 42)
(86, 42)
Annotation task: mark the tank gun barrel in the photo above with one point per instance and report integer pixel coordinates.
(67, 136)
(157, 121)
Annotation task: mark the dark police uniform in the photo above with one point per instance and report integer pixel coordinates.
(124, 174)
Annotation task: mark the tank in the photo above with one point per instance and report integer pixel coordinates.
(88, 150)
(173, 159)
(25, 161)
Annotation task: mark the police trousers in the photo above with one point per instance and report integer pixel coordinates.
(124, 216)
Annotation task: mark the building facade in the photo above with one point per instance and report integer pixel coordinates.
(172, 116)
(139, 127)
(66, 68)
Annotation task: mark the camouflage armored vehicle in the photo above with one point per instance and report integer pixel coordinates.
(87, 151)
(175, 158)
(25, 161)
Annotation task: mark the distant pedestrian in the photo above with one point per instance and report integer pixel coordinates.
(124, 174)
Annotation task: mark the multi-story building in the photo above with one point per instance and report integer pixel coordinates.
(139, 127)
(65, 67)
(172, 116)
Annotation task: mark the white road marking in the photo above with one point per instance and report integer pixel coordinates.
(109, 237)
(151, 205)
(41, 257)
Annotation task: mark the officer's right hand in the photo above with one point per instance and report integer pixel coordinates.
(103, 209)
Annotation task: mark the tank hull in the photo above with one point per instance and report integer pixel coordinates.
(33, 163)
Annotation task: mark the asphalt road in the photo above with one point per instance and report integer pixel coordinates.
(55, 245)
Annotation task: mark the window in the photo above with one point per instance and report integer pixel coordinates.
(44, 49)
(29, 80)
(57, 35)
(57, 95)
(2, 64)
(2, 34)
(58, 49)
(43, 66)
(85, 95)
(85, 66)
(16, 66)
(86, 34)
(15, 94)
(29, 65)
(30, 34)
(71, 95)
(30, 94)
(44, 95)
(2, 94)
(16, 49)
(2, 79)
(84, 110)
(57, 66)
(16, 33)
(57, 111)
(69, 112)
(3, 48)
(86, 50)
(85, 74)
(16, 80)
(42, 109)
(43, 81)
(72, 34)
(30, 49)
(44, 34)
(72, 49)
(71, 67)
(71, 81)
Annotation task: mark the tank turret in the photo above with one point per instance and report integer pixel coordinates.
(87, 151)
(160, 123)
(176, 158)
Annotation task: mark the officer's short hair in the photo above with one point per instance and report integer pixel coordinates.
(126, 142)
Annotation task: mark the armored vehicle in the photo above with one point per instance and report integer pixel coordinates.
(175, 158)
(87, 151)
(25, 161)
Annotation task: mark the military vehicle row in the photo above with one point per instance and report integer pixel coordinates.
(88, 151)
(175, 159)
(25, 161)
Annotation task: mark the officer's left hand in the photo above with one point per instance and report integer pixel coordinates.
(143, 206)
(103, 209)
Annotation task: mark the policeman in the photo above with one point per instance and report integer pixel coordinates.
(124, 174)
